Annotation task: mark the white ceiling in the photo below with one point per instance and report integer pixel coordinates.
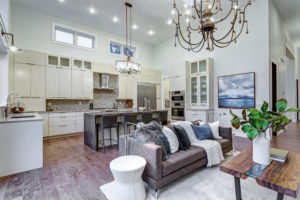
(289, 11)
(147, 14)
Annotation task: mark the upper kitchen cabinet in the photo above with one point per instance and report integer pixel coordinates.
(104, 68)
(82, 84)
(58, 61)
(127, 86)
(88, 85)
(82, 64)
(29, 57)
(177, 76)
(29, 80)
(52, 82)
(200, 84)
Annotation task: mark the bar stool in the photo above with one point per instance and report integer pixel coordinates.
(131, 118)
(109, 122)
(146, 118)
(162, 118)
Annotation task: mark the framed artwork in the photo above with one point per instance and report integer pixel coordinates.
(237, 91)
(115, 48)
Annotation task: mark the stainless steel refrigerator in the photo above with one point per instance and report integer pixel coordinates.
(146, 91)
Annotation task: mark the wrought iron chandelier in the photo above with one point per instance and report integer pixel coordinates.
(197, 26)
(128, 66)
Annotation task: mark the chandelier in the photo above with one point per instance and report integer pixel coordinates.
(197, 26)
(127, 65)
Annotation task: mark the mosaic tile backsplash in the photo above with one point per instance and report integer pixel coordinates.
(102, 99)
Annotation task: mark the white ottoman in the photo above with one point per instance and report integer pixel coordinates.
(127, 172)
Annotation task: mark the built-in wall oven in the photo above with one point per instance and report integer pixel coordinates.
(177, 105)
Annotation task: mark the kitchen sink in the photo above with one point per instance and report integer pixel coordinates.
(22, 116)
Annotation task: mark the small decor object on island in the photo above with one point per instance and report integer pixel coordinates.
(237, 91)
(255, 123)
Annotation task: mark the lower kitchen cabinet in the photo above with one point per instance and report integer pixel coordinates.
(56, 124)
(202, 115)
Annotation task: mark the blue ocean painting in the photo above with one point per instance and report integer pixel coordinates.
(237, 91)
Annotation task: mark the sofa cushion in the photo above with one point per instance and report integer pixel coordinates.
(203, 132)
(225, 143)
(181, 159)
(183, 138)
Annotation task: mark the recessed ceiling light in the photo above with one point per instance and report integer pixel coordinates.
(92, 10)
(61, 1)
(185, 5)
(151, 32)
(169, 22)
(134, 26)
(115, 19)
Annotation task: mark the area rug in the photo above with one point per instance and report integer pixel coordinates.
(207, 184)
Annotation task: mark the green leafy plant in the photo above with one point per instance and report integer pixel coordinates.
(254, 120)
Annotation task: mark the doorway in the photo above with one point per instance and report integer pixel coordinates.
(274, 89)
(297, 97)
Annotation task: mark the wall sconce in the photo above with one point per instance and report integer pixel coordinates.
(12, 46)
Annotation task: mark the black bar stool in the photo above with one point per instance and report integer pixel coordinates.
(109, 122)
(131, 118)
(146, 118)
(162, 118)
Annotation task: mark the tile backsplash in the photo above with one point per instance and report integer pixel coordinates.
(102, 99)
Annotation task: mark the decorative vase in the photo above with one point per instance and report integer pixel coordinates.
(261, 149)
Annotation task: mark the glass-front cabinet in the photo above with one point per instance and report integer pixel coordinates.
(200, 80)
(58, 61)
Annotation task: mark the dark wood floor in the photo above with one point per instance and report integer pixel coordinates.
(72, 171)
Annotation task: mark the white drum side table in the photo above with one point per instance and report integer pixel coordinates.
(128, 183)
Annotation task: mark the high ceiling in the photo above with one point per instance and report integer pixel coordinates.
(147, 14)
(289, 12)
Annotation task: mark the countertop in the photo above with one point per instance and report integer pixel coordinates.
(121, 112)
(36, 117)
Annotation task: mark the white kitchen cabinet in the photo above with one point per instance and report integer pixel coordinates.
(82, 64)
(202, 115)
(52, 82)
(29, 57)
(88, 85)
(122, 86)
(200, 84)
(127, 87)
(29, 80)
(37, 81)
(177, 83)
(61, 123)
(22, 79)
(45, 124)
(58, 61)
(77, 84)
(79, 116)
(65, 83)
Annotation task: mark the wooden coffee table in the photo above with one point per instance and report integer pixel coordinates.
(283, 178)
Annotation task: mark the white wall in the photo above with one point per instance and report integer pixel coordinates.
(4, 58)
(32, 29)
(249, 54)
(280, 47)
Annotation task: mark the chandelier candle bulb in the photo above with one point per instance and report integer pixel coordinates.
(203, 18)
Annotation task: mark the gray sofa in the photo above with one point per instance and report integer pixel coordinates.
(159, 173)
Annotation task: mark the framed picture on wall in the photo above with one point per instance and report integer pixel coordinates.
(237, 91)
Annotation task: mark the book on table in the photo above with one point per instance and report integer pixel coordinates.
(279, 154)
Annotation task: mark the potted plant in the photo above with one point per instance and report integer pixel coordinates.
(256, 122)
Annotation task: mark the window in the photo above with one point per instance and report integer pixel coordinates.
(120, 49)
(73, 37)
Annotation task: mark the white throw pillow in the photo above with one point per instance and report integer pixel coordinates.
(214, 128)
(172, 138)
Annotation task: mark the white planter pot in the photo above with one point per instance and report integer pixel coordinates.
(261, 149)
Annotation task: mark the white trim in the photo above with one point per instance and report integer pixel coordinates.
(124, 44)
(95, 46)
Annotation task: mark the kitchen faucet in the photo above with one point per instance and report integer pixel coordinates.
(17, 100)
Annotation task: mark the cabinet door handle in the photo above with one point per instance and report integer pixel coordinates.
(63, 117)
(62, 126)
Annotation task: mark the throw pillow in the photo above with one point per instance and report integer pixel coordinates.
(152, 133)
(214, 128)
(203, 132)
(172, 138)
(185, 142)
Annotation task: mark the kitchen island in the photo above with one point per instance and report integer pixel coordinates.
(92, 124)
(21, 141)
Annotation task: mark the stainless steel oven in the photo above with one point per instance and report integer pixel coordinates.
(177, 105)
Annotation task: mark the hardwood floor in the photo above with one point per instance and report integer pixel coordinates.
(72, 171)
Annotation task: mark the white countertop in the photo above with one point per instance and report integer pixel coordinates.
(11, 119)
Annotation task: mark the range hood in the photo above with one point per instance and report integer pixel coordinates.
(105, 83)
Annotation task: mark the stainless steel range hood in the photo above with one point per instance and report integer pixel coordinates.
(104, 81)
